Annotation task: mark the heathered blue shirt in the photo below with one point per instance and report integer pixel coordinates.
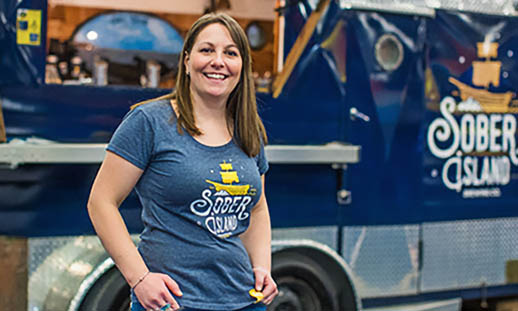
(196, 200)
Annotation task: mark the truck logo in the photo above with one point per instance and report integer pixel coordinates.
(476, 136)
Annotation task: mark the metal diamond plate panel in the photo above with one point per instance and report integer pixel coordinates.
(504, 7)
(467, 253)
(499, 7)
(52, 260)
(417, 7)
(324, 235)
(40, 248)
(384, 259)
(407, 3)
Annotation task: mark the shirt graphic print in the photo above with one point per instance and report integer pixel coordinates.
(224, 203)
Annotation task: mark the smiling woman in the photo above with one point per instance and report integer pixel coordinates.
(196, 158)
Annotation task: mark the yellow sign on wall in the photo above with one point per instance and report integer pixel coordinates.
(28, 27)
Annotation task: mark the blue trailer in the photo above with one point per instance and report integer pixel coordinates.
(393, 180)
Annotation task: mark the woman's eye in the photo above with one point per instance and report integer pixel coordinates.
(232, 53)
(206, 50)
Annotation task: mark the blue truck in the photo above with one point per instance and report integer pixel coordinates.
(393, 181)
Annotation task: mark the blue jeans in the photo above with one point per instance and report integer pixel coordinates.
(254, 307)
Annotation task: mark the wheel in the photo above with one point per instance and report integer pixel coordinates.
(303, 285)
(110, 292)
(295, 295)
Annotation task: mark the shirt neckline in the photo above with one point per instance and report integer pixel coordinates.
(197, 142)
(208, 147)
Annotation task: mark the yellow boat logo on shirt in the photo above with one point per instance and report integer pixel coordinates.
(228, 177)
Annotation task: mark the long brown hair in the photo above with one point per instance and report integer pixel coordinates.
(249, 130)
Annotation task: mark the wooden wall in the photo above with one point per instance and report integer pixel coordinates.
(63, 20)
(14, 272)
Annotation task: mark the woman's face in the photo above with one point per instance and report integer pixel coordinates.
(214, 63)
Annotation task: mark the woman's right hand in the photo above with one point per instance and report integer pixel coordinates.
(154, 291)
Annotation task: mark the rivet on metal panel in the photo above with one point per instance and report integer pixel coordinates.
(343, 196)
(337, 166)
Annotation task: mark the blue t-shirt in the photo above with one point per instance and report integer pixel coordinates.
(196, 200)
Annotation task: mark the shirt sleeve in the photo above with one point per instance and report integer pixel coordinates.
(262, 162)
(133, 139)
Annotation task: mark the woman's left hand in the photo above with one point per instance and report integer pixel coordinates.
(265, 284)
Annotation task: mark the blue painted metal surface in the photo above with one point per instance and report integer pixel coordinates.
(48, 200)
(69, 113)
(385, 184)
(391, 185)
(21, 64)
(452, 40)
(400, 178)
(310, 110)
(43, 200)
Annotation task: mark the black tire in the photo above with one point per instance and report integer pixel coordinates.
(303, 285)
(109, 293)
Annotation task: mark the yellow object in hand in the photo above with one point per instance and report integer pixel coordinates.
(257, 295)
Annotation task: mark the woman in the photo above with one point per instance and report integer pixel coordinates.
(197, 162)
